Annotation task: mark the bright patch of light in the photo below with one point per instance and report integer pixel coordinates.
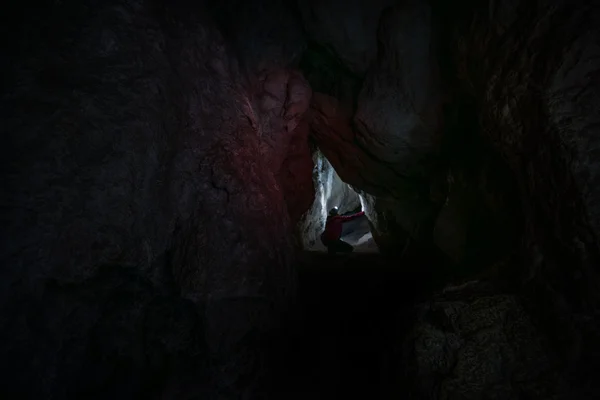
(364, 238)
(329, 181)
(326, 181)
(323, 198)
(362, 202)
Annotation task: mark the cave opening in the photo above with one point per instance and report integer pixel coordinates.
(168, 168)
(333, 193)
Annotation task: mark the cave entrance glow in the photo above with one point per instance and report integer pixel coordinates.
(331, 192)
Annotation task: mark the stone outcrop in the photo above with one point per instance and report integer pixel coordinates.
(399, 115)
(347, 27)
(530, 69)
(264, 35)
(517, 113)
(389, 145)
(471, 342)
(478, 223)
(282, 125)
(150, 191)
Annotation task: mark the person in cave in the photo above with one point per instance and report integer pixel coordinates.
(331, 237)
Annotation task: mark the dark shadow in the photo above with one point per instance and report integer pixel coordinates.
(349, 320)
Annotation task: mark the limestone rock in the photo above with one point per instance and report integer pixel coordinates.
(347, 27)
(137, 150)
(265, 34)
(399, 116)
(472, 343)
(530, 69)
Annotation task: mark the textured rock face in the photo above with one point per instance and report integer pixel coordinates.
(388, 146)
(397, 207)
(335, 192)
(399, 115)
(295, 174)
(386, 217)
(347, 27)
(335, 136)
(472, 343)
(526, 75)
(281, 124)
(532, 68)
(478, 224)
(145, 221)
(330, 192)
(264, 34)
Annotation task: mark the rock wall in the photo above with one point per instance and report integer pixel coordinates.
(474, 342)
(330, 191)
(495, 158)
(347, 27)
(399, 114)
(147, 208)
(157, 163)
(531, 68)
(388, 145)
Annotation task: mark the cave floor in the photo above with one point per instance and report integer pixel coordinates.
(347, 328)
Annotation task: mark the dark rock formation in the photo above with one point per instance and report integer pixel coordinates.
(347, 27)
(264, 34)
(157, 165)
(530, 69)
(474, 343)
(333, 133)
(295, 174)
(144, 222)
(284, 129)
(401, 207)
(519, 82)
(399, 115)
(478, 224)
(388, 147)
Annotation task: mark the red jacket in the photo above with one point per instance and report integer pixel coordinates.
(333, 228)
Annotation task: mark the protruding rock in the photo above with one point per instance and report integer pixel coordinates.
(347, 27)
(145, 182)
(470, 342)
(399, 115)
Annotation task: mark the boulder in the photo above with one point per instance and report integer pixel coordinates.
(146, 219)
(473, 342)
(399, 116)
(348, 28)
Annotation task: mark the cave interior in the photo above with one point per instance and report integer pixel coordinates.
(170, 165)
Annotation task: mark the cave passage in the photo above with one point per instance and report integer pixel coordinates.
(167, 168)
(358, 234)
(332, 192)
(342, 336)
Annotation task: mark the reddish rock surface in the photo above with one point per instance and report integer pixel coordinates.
(150, 193)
